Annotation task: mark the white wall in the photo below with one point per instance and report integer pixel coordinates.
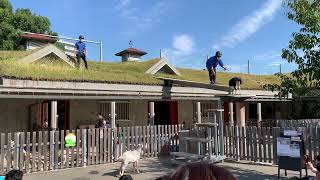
(31, 45)
(14, 114)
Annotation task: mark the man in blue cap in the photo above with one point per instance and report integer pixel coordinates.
(212, 63)
(81, 52)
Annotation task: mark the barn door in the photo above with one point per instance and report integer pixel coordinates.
(173, 112)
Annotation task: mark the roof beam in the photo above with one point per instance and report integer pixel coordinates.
(194, 84)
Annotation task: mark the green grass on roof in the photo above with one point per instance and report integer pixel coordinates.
(13, 55)
(115, 72)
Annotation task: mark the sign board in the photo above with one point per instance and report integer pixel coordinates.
(287, 147)
(290, 151)
(292, 133)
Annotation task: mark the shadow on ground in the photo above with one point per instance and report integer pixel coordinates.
(242, 174)
(159, 166)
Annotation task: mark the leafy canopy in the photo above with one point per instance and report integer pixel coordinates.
(13, 23)
(303, 49)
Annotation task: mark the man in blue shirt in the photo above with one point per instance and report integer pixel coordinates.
(81, 51)
(212, 63)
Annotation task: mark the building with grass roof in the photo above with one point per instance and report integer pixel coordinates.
(37, 91)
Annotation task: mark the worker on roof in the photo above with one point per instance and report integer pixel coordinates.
(212, 63)
(81, 52)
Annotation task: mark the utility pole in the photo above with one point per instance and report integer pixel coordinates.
(248, 66)
(280, 68)
(160, 53)
(101, 51)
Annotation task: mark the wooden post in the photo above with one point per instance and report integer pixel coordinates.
(54, 106)
(151, 113)
(221, 137)
(241, 114)
(231, 120)
(259, 116)
(113, 114)
(198, 112)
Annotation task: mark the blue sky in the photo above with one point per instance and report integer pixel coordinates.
(186, 31)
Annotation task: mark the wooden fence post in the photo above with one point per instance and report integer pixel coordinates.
(275, 134)
(45, 150)
(51, 150)
(237, 147)
(21, 154)
(16, 151)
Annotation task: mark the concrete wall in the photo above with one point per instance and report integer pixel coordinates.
(83, 112)
(138, 113)
(185, 112)
(14, 114)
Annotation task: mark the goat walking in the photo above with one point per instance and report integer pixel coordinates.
(234, 85)
(130, 157)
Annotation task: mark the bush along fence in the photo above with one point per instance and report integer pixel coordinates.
(46, 150)
(259, 144)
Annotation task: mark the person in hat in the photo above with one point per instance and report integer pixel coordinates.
(81, 52)
(212, 63)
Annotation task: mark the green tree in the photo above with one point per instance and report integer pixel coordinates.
(303, 49)
(12, 24)
(25, 20)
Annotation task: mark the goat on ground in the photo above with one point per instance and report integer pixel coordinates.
(130, 157)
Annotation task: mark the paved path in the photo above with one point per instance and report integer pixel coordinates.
(152, 168)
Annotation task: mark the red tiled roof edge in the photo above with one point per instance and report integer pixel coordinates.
(38, 37)
(131, 50)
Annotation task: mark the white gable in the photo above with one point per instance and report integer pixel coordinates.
(47, 50)
(163, 66)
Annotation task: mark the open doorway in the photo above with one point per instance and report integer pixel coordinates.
(40, 115)
(63, 122)
(166, 113)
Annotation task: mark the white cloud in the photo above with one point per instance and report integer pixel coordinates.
(122, 4)
(183, 46)
(249, 24)
(270, 55)
(277, 63)
(142, 19)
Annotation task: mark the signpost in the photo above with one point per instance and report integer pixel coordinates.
(291, 151)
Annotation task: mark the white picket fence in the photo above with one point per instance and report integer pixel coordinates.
(45, 150)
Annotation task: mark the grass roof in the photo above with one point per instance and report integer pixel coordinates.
(115, 72)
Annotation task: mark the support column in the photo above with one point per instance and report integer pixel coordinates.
(113, 114)
(198, 112)
(54, 113)
(231, 120)
(151, 113)
(259, 116)
(241, 114)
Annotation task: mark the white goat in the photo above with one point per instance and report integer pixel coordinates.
(130, 157)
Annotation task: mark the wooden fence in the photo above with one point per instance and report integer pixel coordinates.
(45, 150)
(259, 144)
